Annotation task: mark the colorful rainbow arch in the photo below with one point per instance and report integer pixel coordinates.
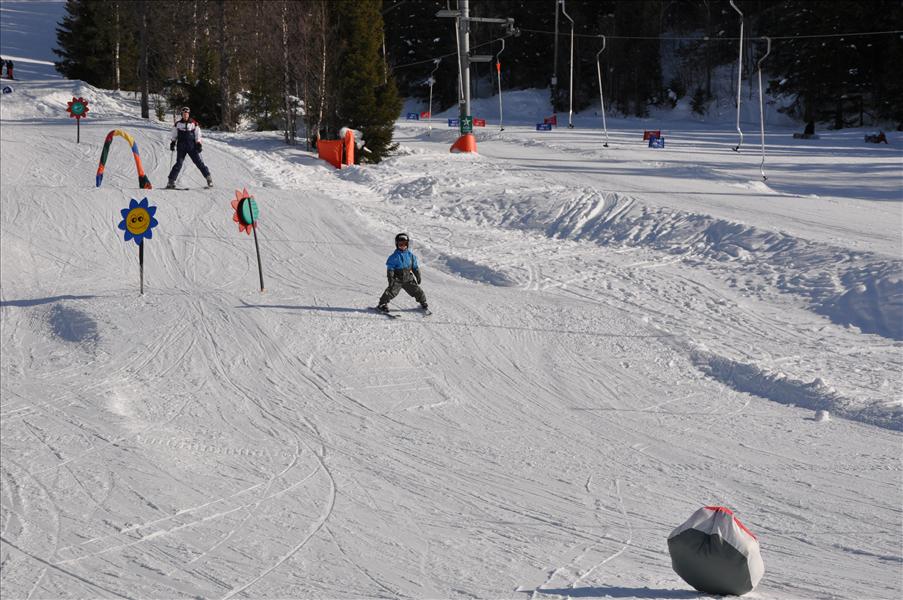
(143, 181)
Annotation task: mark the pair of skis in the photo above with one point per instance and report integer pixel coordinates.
(425, 312)
(185, 189)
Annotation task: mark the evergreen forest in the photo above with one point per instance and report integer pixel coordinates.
(310, 67)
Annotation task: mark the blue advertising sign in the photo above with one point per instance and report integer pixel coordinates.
(412, 116)
(543, 127)
(453, 122)
(656, 142)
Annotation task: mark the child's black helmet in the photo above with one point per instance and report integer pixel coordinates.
(402, 238)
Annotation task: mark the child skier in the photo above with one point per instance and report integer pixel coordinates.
(186, 133)
(403, 272)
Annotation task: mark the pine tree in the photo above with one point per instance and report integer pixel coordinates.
(332, 54)
(366, 98)
(836, 79)
(87, 46)
(79, 42)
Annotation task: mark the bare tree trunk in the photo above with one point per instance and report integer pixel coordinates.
(224, 60)
(385, 60)
(708, 51)
(116, 45)
(142, 67)
(194, 38)
(289, 137)
(255, 69)
(323, 49)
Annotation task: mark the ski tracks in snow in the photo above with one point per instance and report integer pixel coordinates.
(314, 528)
(572, 569)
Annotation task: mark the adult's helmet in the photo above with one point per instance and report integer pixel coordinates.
(402, 238)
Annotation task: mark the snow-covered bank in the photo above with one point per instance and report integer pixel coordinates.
(852, 287)
(32, 54)
(615, 343)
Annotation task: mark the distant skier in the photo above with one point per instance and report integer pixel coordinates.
(403, 272)
(186, 139)
(9, 69)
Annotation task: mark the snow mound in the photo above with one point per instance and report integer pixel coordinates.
(71, 324)
(872, 301)
(472, 270)
(857, 289)
(48, 100)
(776, 386)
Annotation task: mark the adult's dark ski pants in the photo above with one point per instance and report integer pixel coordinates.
(195, 158)
(410, 287)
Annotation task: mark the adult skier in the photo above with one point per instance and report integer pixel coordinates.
(403, 272)
(186, 139)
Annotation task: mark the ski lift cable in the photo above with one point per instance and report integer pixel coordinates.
(724, 39)
(498, 73)
(601, 98)
(683, 38)
(454, 53)
(739, 76)
(658, 37)
(762, 108)
(432, 81)
(571, 77)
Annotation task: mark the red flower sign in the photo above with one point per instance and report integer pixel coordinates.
(246, 211)
(77, 107)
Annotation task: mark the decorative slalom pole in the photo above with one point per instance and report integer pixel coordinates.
(257, 246)
(245, 215)
(141, 267)
(77, 108)
(739, 76)
(138, 223)
(601, 98)
(762, 108)
(498, 72)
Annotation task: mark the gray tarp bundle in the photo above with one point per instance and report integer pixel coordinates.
(715, 553)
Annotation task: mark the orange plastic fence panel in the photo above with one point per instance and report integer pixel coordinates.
(349, 148)
(331, 152)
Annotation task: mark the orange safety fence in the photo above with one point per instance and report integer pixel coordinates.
(331, 152)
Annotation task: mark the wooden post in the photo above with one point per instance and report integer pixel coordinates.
(141, 264)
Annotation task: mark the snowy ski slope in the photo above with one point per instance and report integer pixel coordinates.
(619, 337)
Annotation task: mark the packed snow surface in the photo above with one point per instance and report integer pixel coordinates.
(620, 336)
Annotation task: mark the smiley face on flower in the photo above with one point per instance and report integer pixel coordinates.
(138, 220)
